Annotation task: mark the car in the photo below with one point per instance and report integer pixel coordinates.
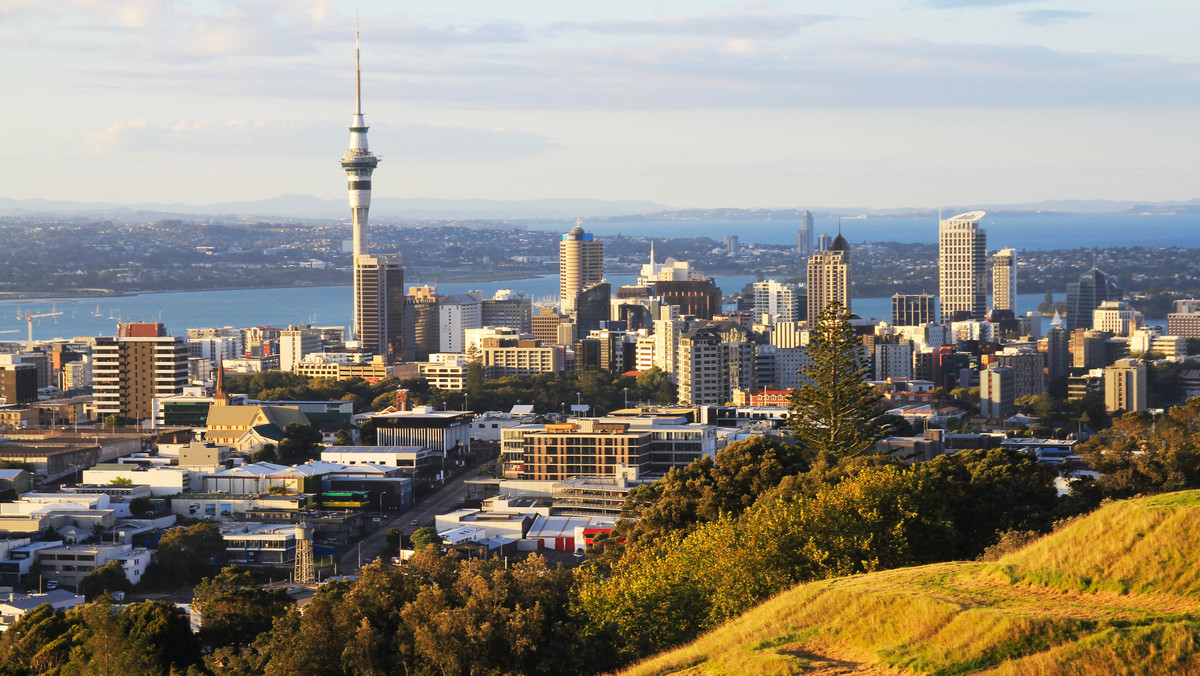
(413, 523)
(51, 585)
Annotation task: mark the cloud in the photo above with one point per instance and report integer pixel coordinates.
(1046, 17)
(954, 4)
(239, 137)
(729, 26)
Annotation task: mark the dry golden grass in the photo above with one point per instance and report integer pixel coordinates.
(1115, 592)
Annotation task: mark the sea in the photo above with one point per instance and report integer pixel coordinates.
(317, 305)
(330, 306)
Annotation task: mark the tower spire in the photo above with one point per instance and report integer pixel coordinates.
(357, 70)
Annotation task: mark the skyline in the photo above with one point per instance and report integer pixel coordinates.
(708, 104)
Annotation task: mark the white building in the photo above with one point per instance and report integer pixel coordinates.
(295, 343)
(962, 267)
(456, 314)
(775, 302)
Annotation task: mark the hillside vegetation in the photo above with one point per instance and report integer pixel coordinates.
(1112, 592)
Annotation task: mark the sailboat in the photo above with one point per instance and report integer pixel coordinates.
(97, 313)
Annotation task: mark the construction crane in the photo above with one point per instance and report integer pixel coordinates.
(29, 317)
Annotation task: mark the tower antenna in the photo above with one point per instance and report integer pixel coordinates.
(357, 70)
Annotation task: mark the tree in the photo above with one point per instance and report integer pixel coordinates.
(234, 610)
(426, 537)
(106, 579)
(121, 481)
(392, 539)
(141, 506)
(113, 421)
(833, 415)
(185, 554)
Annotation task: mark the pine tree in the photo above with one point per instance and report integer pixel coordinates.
(833, 416)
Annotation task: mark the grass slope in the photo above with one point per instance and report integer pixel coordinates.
(1113, 592)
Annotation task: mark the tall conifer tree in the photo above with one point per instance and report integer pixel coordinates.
(834, 416)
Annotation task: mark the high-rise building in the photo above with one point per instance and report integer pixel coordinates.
(829, 278)
(580, 264)
(421, 331)
(962, 267)
(379, 305)
(18, 383)
(359, 164)
(508, 309)
(1116, 317)
(804, 244)
(1083, 297)
(997, 392)
(140, 364)
(1185, 320)
(912, 309)
(295, 342)
(457, 313)
(1125, 386)
(776, 302)
(823, 242)
(592, 306)
(1058, 353)
(1004, 280)
(700, 298)
(1028, 370)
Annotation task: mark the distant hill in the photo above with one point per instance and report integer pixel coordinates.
(1117, 591)
(312, 208)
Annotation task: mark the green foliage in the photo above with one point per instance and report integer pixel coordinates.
(425, 537)
(703, 490)
(833, 416)
(392, 541)
(106, 579)
(150, 637)
(1141, 455)
(186, 554)
(121, 481)
(988, 492)
(113, 421)
(234, 610)
(434, 615)
(668, 592)
(141, 506)
(301, 443)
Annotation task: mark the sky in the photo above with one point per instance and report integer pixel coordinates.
(689, 103)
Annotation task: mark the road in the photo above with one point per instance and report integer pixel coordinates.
(436, 503)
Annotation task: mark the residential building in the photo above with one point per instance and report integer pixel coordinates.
(422, 330)
(1004, 280)
(296, 342)
(457, 313)
(445, 371)
(508, 309)
(18, 383)
(503, 357)
(1116, 317)
(544, 324)
(962, 267)
(140, 364)
(804, 243)
(997, 392)
(1185, 320)
(775, 302)
(1028, 370)
(584, 448)
(1125, 386)
(714, 359)
(829, 278)
(580, 264)
(699, 297)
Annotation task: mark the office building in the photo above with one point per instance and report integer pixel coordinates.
(1185, 320)
(823, 242)
(962, 268)
(804, 243)
(700, 298)
(583, 448)
(829, 278)
(380, 305)
(1028, 370)
(1083, 297)
(592, 306)
(912, 309)
(1058, 353)
(1116, 317)
(18, 383)
(457, 313)
(508, 309)
(732, 247)
(580, 264)
(142, 363)
(1004, 280)
(1125, 386)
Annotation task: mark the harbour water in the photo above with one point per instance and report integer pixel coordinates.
(321, 305)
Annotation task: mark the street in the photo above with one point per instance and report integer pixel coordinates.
(436, 503)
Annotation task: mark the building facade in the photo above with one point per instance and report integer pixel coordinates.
(133, 369)
(829, 278)
(580, 264)
(1004, 280)
(962, 267)
(379, 305)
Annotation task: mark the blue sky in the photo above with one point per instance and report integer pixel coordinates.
(692, 104)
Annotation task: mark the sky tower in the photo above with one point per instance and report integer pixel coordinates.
(359, 163)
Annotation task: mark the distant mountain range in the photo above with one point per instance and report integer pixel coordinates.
(308, 207)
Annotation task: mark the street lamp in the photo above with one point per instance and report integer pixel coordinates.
(578, 403)
(626, 397)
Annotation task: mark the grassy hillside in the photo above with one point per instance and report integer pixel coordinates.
(1113, 592)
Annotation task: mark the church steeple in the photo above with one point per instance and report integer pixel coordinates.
(220, 397)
